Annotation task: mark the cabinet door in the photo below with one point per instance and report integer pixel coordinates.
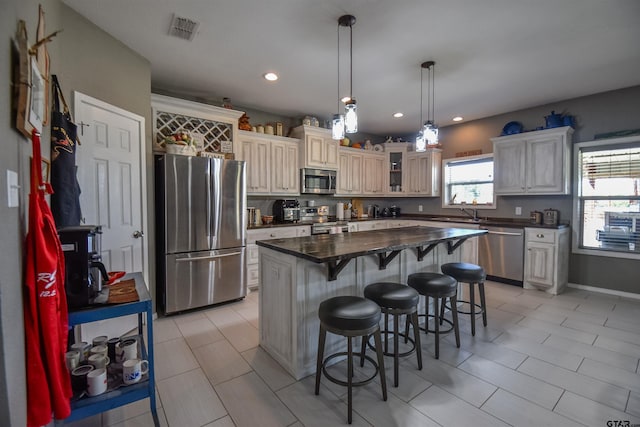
(349, 179)
(539, 263)
(256, 155)
(413, 171)
(315, 150)
(509, 167)
(331, 153)
(425, 175)
(343, 181)
(284, 168)
(372, 175)
(545, 165)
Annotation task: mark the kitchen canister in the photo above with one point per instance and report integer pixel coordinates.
(339, 211)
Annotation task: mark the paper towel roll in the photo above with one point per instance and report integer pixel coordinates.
(340, 211)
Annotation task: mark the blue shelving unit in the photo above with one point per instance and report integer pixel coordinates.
(89, 406)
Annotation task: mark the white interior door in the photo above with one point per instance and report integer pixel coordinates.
(110, 172)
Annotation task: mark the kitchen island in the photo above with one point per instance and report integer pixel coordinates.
(297, 274)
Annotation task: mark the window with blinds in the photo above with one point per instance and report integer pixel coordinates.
(609, 196)
(469, 181)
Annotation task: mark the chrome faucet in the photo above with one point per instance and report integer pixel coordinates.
(473, 214)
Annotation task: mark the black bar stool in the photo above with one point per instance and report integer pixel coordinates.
(439, 287)
(397, 299)
(472, 274)
(350, 316)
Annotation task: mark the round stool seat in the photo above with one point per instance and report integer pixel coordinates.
(349, 313)
(464, 272)
(392, 295)
(433, 284)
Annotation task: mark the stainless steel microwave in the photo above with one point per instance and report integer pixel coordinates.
(317, 181)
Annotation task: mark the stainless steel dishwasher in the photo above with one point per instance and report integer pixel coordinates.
(501, 254)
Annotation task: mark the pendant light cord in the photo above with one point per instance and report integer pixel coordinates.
(338, 68)
(351, 62)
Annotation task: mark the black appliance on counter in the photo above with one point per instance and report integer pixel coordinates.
(84, 273)
(394, 211)
(286, 211)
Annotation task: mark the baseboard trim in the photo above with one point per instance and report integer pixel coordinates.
(604, 291)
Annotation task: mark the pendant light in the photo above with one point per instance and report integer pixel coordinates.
(337, 124)
(350, 109)
(428, 134)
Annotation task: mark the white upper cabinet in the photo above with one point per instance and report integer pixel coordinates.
(256, 154)
(349, 177)
(272, 163)
(285, 178)
(318, 149)
(423, 173)
(373, 174)
(533, 162)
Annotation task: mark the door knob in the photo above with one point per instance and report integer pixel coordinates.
(138, 234)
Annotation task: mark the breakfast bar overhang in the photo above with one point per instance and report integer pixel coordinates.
(297, 274)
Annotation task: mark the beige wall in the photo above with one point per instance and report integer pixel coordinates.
(87, 60)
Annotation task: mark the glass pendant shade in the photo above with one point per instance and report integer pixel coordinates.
(337, 129)
(421, 144)
(430, 133)
(351, 117)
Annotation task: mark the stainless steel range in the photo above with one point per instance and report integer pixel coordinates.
(332, 227)
(318, 217)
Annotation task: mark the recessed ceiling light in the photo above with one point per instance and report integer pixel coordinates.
(272, 77)
(457, 119)
(398, 115)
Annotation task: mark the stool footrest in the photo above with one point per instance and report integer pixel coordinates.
(390, 353)
(344, 383)
(433, 331)
(480, 311)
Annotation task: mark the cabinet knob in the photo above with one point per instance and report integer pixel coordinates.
(138, 234)
(539, 236)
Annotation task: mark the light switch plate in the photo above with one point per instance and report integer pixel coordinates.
(518, 210)
(13, 197)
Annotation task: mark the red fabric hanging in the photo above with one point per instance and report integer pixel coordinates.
(45, 308)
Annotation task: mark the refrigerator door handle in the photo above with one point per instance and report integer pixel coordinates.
(208, 198)
(202, 258)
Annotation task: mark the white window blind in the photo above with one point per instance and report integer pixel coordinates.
(609, 195)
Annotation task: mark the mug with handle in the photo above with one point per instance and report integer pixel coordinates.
(133, 370)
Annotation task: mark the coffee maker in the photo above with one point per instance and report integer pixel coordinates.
(84, 273)
(286, 210)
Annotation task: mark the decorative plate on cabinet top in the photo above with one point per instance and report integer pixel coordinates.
(378, 147)
(512, 128)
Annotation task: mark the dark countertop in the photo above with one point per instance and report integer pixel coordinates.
(333, 247)
(489, 222)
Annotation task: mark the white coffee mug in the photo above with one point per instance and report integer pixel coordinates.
(99, 349)
(128, 349)
(83, 349)
(101, 340)
(97, 382)
(99, 361)
(133, 370)
(72, 359)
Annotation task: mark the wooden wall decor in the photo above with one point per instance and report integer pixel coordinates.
(42, 57)
(21, 80)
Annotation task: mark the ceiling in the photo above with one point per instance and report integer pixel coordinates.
(492, 56)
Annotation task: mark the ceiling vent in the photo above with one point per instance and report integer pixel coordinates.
(183, 28)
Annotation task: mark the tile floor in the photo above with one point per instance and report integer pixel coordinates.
(567, 360)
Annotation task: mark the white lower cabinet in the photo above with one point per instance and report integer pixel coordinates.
(546, 259)
(252, 267)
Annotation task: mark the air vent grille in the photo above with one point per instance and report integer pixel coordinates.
(183, 28)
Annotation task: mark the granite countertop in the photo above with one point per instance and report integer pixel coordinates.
(489, 222)
(333, 247)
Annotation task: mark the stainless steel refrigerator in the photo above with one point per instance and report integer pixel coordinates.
(200, 223)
